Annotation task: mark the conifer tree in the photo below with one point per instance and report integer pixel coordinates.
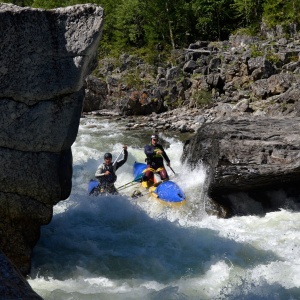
(281, 12)
(249, 11)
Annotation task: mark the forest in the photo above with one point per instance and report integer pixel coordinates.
(143, 26)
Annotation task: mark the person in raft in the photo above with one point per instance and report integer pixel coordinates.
(106, 172)
(155, 160)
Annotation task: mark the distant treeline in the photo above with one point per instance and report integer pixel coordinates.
(165, 24)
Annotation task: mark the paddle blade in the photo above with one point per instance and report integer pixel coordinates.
(138, 178)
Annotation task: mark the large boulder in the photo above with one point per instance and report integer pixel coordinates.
(12, 284)
(249, 159)
(45, 58)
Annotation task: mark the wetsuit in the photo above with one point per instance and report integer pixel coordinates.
(106, 182)
(155, 161)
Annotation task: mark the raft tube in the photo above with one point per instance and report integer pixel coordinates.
(166, 192)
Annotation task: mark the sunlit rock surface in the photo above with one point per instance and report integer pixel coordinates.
(44, 59)
(250, 158)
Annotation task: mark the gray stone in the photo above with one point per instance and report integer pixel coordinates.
(12, 284)
(260, 68)
(95, 94)
(190, 66)
(45, 58)
(173, 73)
(249, 155)
(47, 126)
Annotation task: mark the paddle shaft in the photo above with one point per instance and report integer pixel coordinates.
(137, 179)
(167, 164)
(126, 185)
(118, 157)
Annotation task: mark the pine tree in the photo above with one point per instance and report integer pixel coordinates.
(281, 12)
(215, 19)
(248, 11)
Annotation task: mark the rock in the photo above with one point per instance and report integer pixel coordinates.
(95, 94)
(190, 66)
(45, 59)
(274, 85)
(51, 59)
(260, 68)
(249, 156)
(173, 73)
(12, 284)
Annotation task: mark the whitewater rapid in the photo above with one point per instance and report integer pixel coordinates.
(116, 247)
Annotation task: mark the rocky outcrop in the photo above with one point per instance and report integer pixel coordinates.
(12, 284)
(95, 94)
(250, 162)
(45, 58)
(242, 76)
(253, 78)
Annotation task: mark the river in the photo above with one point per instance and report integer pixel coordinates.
(116, 247)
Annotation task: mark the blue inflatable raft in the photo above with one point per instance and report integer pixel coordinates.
(166, 192)
(93, 186)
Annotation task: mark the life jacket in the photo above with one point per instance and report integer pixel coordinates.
(155, 151)
(156, 160)
(112, 177)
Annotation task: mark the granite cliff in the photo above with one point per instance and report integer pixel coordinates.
(45, 58)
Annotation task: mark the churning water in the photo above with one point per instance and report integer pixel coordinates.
(116, 247)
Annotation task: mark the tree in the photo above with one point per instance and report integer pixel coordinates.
(215, 20)
(281, 12)
(248, 11)
(129, 20)
(169, 22)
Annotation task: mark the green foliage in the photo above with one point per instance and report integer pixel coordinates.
(249, 11)
(281, 12)
(22, 3)
(129, 24)
(133, 81)
(273, 57)
(214, 19)
(255, 51)
(201, 98)
(249, 31)
(173, 103)
(50, 4)
(141, 25)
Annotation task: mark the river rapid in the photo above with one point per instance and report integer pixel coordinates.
(116, 247)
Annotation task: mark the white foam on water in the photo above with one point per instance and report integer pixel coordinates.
(116, 247)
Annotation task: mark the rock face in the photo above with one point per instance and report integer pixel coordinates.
(245, 75)
(45, 58)
(95, 94)
(12, 283)
(253, 157)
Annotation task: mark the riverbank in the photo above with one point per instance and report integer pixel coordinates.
(178, 120)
